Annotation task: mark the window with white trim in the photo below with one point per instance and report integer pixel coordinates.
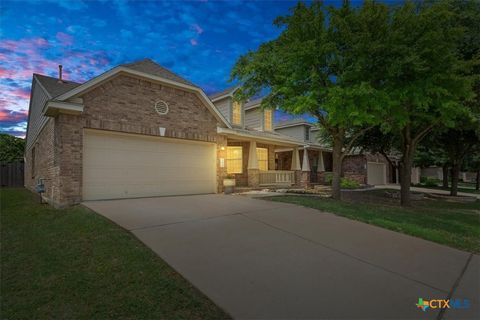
(267, 119)
(234, 160)
(236, 113)
(262, 159)
(307, 133)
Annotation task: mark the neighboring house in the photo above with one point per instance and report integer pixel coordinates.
(365, 168)
(435, 172)
(139, 130)
(319, 156)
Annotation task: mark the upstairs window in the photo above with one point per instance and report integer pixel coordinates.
(262, 158)
(234, 160)
(236, 113)
(267, 119)
(307, 134)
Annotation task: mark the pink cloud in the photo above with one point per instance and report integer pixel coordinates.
(21, 93)
(197, 28)
(12, 115)
(64, 39)
(193, 42)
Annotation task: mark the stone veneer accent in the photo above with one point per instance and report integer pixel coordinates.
(124, 104)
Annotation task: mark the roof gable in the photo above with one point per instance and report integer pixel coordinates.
(53, 86)
(150, 67)
(223, 94)
(145, 69)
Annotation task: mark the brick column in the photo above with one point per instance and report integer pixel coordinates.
(305, 179)
(221, 162)
(253, 178)
(298, 178)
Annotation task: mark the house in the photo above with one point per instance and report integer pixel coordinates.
(139, 130)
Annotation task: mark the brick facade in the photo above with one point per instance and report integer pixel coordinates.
(355, 166)
(123, 104)
(46, 163)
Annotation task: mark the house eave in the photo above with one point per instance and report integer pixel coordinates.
(242, 135)
(52, 108)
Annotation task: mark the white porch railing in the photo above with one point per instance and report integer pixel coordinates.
(276, 177)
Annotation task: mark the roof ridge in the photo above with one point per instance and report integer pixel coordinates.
(165, 72)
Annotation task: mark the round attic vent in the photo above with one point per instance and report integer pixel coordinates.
(161, 107)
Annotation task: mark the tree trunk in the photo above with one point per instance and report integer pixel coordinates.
(405, 181)
(477, 184)
(445, 176)
(337, 158)
(455, 172)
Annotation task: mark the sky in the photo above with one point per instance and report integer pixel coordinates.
(199, 40)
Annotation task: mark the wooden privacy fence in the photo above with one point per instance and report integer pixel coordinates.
(11, 174)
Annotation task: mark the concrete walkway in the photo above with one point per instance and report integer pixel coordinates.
(421, 189)
(260, 259)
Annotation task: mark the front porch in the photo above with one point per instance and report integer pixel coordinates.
(267, 159)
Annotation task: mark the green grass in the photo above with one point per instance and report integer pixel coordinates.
(465, 189)
(453, 224)
(74, 264)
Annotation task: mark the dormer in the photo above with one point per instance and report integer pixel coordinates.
(233, 111)
(298, 129)
(257, 118)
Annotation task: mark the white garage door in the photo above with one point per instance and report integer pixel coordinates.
(119, 165)
(376, 173)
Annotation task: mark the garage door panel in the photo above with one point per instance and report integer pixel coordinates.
(123, 166)
(376, 173)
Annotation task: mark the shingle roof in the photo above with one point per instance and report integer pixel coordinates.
(293, 122)
(53, 86)
(150, 67)
(222, 93)
(253, 103)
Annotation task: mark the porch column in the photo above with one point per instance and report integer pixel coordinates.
(252, 168)
(295, 160)
(296, 166)
(305, 180)
(321, 165)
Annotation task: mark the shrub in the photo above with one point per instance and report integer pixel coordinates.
(430, 182)
(328, 176)
(346, 183)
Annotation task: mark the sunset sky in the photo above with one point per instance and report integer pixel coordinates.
(199, 40)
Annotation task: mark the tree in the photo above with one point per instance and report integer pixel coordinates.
(472, 163)
(11, 148)
(321, 64)
(376, 140)
(430, 152)
(425, 78)
(458, 144)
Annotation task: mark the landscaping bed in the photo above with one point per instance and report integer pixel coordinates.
(75, 264)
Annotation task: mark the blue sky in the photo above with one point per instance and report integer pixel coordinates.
(199, 40)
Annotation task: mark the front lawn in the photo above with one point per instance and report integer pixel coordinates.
(459, 189)
(453, 224)
(74, 264)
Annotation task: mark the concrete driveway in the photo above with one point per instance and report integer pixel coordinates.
(260, 259)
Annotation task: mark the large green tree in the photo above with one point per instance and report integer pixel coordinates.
(425, 76)
(11, 148)
(322, 64)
